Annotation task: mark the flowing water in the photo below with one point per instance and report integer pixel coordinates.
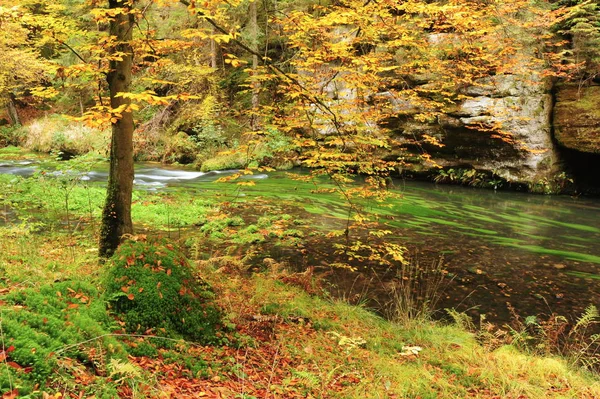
(540, 254)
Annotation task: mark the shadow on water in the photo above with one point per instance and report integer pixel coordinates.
(541, 254)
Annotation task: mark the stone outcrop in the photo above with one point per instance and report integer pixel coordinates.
(577, 118)
(520, 106)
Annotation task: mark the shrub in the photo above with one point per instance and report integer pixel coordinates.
(11, 135)
(152, 287)
(57, 134)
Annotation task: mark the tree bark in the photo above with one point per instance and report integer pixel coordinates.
(254, 39)
(116, 216)
(213, 51)
(12, 111)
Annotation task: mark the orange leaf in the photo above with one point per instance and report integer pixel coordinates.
(130, 297)
(14, 365)
(168, 272)
(11, 395)
(125, 288)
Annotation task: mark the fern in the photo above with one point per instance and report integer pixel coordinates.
(590, 316)
(123, 370)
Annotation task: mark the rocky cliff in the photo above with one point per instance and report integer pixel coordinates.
(577, 118)
(502, 129)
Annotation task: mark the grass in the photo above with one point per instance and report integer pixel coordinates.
(282, 341)
(452, 363)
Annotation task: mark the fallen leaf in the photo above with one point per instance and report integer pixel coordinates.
(11, 395)
(14, 365)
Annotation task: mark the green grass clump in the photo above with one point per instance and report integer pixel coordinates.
(151, 286)
(39, 326)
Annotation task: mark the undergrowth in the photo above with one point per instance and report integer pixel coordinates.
(40, 327)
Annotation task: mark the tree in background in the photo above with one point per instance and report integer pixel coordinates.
(22, 66)
(580, 24)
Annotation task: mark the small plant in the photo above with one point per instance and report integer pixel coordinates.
(151, 287)
(576, 340)
(416, 291)
(468, 177)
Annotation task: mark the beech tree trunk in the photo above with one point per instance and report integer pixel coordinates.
(12, 111)
(116, 216)
(213, 51)
(254, 39)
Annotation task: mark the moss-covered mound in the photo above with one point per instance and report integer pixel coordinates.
(151, 286)
(40, 327)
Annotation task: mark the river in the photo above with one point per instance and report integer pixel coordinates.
(538, 254)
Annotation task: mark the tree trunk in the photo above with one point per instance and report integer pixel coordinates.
(12, 111)
(254, 39)
(116, 216)
(213, 51)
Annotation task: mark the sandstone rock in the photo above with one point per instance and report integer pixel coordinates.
(577, 118)
(521, 106)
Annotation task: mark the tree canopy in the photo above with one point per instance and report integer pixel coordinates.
(319, 82)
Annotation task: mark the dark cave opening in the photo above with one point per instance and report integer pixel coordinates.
(584, 168)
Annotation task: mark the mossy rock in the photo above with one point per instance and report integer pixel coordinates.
(181, 148)
(224, 162)
(577, 118)
(151, 286)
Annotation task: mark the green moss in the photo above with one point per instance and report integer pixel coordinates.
(224, 162)
(40, 325)
(151, 286)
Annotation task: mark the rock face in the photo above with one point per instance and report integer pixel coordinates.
(521, 107)
(577, 118)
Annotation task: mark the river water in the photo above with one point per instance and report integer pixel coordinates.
(538, 254)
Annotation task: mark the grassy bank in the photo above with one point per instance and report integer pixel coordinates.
(280, 342)
(281, 336)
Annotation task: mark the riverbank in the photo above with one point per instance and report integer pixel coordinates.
(282, 338)
(501, 251)
(282, 341)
